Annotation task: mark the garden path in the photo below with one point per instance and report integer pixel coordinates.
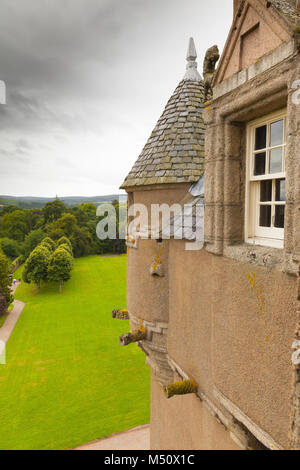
(12, 318)
(133, 439)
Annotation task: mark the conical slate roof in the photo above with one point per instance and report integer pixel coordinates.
(174, 152)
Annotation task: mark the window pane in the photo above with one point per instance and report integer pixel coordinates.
(279, 216)
(266, 191)
(276, 133)
(260, 164)
(265, 216)
(280, 190)
(261, 138)
(276, 161)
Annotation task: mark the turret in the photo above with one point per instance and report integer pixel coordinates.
(171, 161)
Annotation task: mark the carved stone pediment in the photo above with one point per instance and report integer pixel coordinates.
(256, 31)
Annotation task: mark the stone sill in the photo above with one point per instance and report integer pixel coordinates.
(264, 256)
(269, 242)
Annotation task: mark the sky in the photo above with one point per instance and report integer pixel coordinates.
(87, 81)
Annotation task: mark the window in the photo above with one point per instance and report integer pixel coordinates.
(265, 195)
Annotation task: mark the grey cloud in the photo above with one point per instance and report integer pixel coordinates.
(99, 69)
(23, 144)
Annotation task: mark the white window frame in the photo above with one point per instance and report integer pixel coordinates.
(254, 234)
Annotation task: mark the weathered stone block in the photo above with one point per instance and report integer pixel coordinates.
(233, 139)
(232, 181)
(233, 224)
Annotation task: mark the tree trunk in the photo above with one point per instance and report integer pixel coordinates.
(60, 287)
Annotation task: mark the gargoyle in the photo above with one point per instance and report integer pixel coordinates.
(134, 337)
(209, 67)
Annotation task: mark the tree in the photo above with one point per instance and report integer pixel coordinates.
(79, 237)
(32, 240)
(60, 266)
(14, 225)
(53, 211)
(49, 243)
(5, 281)
(81, 241)
(3, 304)
(84, 213)
(67, 224)
(64, 241)
(68, 248)
(34, 219)
(11, 248)
(36, 266)
(8, 209)
(53, 232)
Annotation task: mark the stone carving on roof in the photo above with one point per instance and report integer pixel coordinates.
(209, 67)
(174, 152)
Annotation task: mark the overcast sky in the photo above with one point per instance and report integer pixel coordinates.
(86, 81)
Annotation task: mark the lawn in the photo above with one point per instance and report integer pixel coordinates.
(67, 380)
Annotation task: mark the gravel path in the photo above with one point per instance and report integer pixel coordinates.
(134, 439)
(11, 320)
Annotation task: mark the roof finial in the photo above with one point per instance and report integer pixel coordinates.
(191, 68)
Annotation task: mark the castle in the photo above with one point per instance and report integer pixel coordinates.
(216, 311)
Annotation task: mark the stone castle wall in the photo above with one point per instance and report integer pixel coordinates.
(226, 316)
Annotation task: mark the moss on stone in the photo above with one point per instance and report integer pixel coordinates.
(183, 387)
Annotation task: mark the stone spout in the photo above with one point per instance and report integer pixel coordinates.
(120, 314)
(134, 337)
(183, 387)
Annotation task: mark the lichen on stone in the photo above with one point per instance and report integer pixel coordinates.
(134, 337)
(156, 268)
(120, 314)
(183, 387)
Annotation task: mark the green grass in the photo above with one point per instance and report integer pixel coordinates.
(67, 380)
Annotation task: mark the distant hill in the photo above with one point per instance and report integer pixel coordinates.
(38, 202)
